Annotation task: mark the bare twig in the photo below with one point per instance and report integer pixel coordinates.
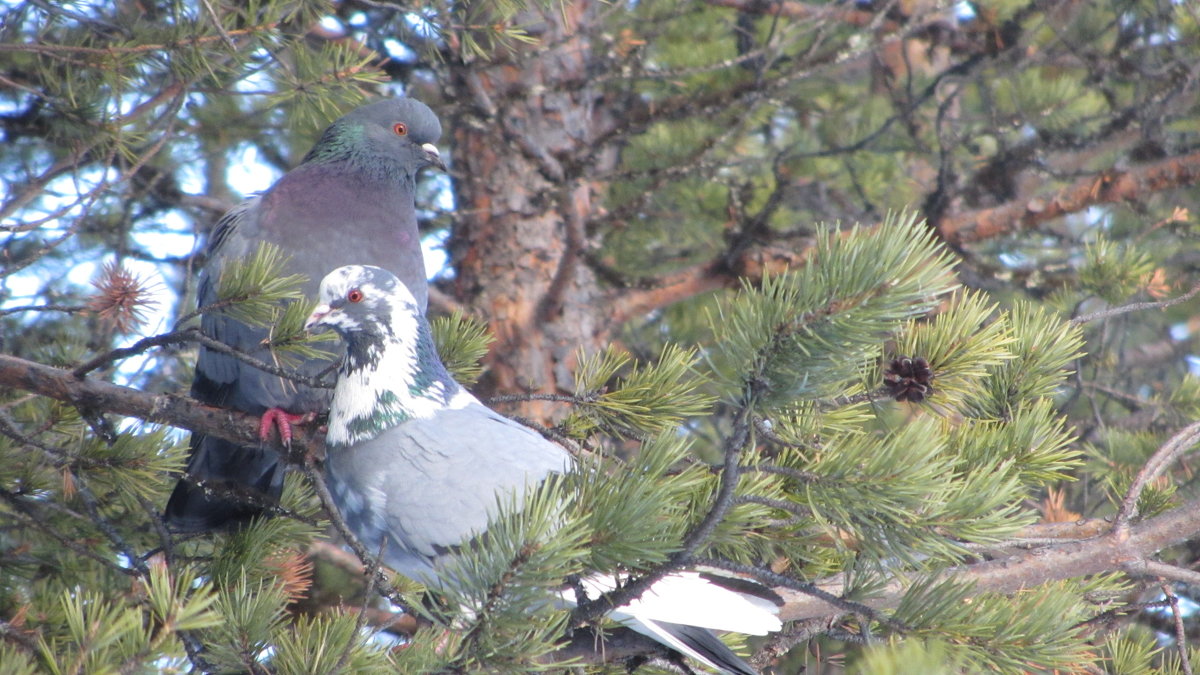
(194, 334)
(1165, 571)
(1175, 446)
(1136, 307)
(1180, 632)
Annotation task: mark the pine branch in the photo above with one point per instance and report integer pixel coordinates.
(173, 409)
(1180, 632)
(194, 334)
(72, 161)
(1118, 550)
(589, 645)
(373, 568)
(720, 272)
(1172, 572)
(25, 512)
(1105, 187)
(93, 510)
(109, 51)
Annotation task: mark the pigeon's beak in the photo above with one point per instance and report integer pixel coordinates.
(433, 156)
(316, 318)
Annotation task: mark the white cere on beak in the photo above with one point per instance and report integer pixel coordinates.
(314, 319)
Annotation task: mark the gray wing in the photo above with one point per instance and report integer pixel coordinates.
(429, 485)
(221, 379)
(226, 483)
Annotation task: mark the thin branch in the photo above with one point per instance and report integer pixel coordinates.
(793, 9)
(522, 398)
(36, 187)
(1170, 451)
(23, 638)
(780, 504)
(1173, 572)
(23, 510)
(798, 474)
(1136, 307)
(216, 19)
(139, 347)
(194, 334)
(69, 309)
(43, 48)
(1180, 632)
(373, 574)
(672, 288)
(178, 411)
(776, 580)
(92, 505)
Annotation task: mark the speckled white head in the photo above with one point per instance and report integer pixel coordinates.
(391, 372)
(362, 298)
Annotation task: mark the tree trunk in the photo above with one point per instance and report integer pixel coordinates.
(526, 121)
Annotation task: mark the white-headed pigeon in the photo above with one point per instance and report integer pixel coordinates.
(355, 188)
(416, 466)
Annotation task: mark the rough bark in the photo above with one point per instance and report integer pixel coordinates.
(523, 204)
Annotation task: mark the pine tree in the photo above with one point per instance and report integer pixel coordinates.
(886, 305)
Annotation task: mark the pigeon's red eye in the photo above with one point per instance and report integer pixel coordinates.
(354, 295)
(400, 128)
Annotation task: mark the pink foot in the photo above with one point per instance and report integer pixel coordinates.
(283, 421)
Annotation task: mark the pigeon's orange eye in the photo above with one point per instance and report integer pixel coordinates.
(400, 128)
(354, 295)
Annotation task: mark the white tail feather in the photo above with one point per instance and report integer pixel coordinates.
(686, 598)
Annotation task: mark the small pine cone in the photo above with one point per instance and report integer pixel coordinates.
(908, 379)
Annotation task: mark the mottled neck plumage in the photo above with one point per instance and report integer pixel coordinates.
(390, 375)
(346, 143)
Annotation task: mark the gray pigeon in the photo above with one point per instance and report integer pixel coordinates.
(415, 465)
(354, 188)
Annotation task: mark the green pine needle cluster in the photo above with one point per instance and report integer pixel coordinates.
(961, 343)
(251, 289)
(462, 342)
(1000, 633)
(808, 333)
(1114, 272)
(630, 401)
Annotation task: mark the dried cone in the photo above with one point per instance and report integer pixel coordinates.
(120, 298)
(908, 379)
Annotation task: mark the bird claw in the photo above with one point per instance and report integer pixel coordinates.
(283, 421)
